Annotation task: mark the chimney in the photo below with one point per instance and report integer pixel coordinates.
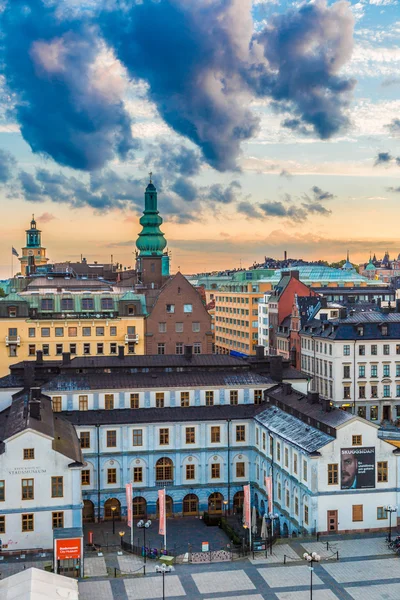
(188, 352)
(323, 302)
(66, 358)
(29, 374)
(287, 388)
(342, 313)
(295, 274)
(35, 393)
(260, 352)
(285, 255)
(312, 397)
(326, 405)
(276, 367)
(34, 409)
(39, 357)
(121, 352)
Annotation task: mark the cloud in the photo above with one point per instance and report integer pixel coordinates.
(217, 193)
(320, 195)
(394, 127)
(7, 165)
(385, 158)
(248, 209)
(317, 208)
(46, 218)
(286, 174)
(185, 189)
(66, 100)
(278, 209)
(171, 159)
(388, 81)
(396, 190)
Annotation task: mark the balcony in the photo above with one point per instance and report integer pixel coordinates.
(131, 337)
(13, 340)
(165, 483)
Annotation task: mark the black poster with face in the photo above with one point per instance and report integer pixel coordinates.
(357, 468)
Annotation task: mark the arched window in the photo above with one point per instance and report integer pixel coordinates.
(139, 507)
(108, 512)
(169, 507)
(164, 469)
(215, 503)
(190, 504)
(238, 500)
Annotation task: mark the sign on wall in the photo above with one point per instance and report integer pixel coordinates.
(69, 548)
(357, 468)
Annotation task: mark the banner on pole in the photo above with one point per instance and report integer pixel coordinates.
(128, 489)
(246, 506)
(161, 508)
(268, 486)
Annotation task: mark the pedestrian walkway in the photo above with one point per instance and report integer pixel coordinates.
(279, 551)
(95, 566)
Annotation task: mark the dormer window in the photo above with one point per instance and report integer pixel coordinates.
(360, 331)
(12, 311)
(384, 330)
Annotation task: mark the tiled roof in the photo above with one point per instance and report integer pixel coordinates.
(159, 360)
(346, 329)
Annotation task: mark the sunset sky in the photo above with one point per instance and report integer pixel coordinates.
(268, 126)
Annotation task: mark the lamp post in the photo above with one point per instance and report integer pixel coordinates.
(113, 509)
(271, 517)
(390, 509)
(163, 569)
(121, 534)
(225, 503)
(144, 525)
(311, 559)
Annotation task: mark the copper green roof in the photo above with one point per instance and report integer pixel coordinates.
(151, 240)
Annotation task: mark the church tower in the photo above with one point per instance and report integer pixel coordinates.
(152, 261)
(33, 254)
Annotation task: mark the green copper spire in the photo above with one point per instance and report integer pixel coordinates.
(151, 240)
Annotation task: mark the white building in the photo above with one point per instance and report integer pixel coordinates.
(40, 472)
(263, 328)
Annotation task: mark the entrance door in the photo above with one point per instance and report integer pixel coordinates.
(190, 505)
(332, 520)
(386, 413)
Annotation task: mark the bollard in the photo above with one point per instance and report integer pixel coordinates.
(284, 559)
(115, 572)
(327, 546)
(337, 555)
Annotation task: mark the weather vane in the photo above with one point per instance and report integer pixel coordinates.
(150, 175)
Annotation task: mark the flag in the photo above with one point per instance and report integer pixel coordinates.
(128, 489)
(268, 485)
(246, 506)
(14, 252)
(161, 509)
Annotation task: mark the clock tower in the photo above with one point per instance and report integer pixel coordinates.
(33, 254)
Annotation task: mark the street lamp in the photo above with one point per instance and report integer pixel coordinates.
(121, 533)
(163, 569)
(113, 509)
(144, 526)
(390, 509)
(225, 503)
(270, 524)
(311, 558)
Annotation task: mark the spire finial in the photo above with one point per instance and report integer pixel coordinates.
(33, 217)
(150, 175)
(348, 256)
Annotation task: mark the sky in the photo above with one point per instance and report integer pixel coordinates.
(268, 126)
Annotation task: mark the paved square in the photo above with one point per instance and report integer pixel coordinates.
(150, 588)
(132, 564)
(95, 590)
(305, 595)
(225, 581)
(278, 553)
(388, 591)
(253, 597)
(350, 548)
(369, 570)
(95, 566)
(288, 576)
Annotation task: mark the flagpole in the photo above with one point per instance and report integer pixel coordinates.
(12, 263)
(251, 524)
(165, 519)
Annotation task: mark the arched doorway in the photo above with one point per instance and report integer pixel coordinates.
(215, 503)
(169, 507)
(164, 470)
(262, 508)
(108, 513)
(88, 511)
(285, 530)
(256, 501)
(190, 505)
(139, 507)
(238, 500)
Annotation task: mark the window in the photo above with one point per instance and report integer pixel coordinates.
(397, 391)
(32, 349)
(113, 330)
(361, 350)
(187, 308)
(86, 331)
(67, 304)
(160, 400)
(59, 349)
(278, 451)
(215, 470)
(386, 370)
(2, 524)
(72, 348)
(240, 433)
(100, 348)
(374, 350)
(190, 435)
(374, 413)
(111, 438)
(361, 391)
(215, 434)
(179, 348)
(357, 512)
(85, 439)
(111, 476)
(386, 391)
(362, 412)
(185, 401)
(287, 498)
(346, 350)
(2, 490)
(306, 514)
(234, 397)
(12, 311)
(258, 396)
(164, 436)
(27, 489)
(170, 308)
(137, 437)
(162, 328)
(305, 474)
(361, 371)
(374, 370)
(131, 347)
(27, 522)
(107, 304)
(195, 327)
(197, 348)
(109, 401)
(85, 477)
(59, 331)
(397, 348)
(333, 474)
(56, 403)
(190, 472)
(137, 474)
(346, 372)
(296, 505)
(99, 331)
(45, 331)
(240, 469)
(381, 513)
(31, 332)
(360, 331)
(86, 348)
(382, 472)
(398, 370)
(295, 464)
(87, 304)
(83, 403)
(286, 457)
(386, 349)
(179, 327)
(57, 519)
(47, 304)
(134, 400)
(46, 349)
(346, 392)
(29, 453)
(160, 348)
(210, 398)
(356, 440)
(384, 330)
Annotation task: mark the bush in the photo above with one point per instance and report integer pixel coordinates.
(211, 520)
(230, 532)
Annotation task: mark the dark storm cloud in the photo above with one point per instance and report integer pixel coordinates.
(320, 195)
(7, 165)
(49, 67)
(174, 159)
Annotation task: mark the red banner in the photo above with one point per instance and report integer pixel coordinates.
(268, 486)
(128, 489)
(66, 549)
(247, 506)
(161, 507)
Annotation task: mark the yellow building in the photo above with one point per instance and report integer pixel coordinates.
(56, 320)
(236, 317)
(33, 254)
